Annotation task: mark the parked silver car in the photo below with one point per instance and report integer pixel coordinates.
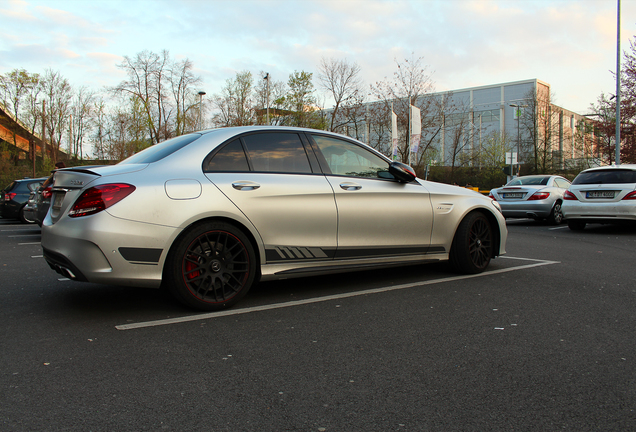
(601, 195)
(208, 214)
(534, 196)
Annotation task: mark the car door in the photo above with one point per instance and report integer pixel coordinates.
(377, 215)
(270, 178)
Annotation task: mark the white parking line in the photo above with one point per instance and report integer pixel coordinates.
(24, 235)
(26, 244)
(204, 316)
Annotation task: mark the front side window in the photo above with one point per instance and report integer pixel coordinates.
(277, 152)
(347, 159)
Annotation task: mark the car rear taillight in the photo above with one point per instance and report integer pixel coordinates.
(539, 196)
(46, 192)
(491, 196)
(630, 196)
(9, 196)
(569, 196)
(99, 198)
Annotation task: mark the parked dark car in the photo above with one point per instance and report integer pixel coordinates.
(42, 200)
(15, 196)
(30, 208)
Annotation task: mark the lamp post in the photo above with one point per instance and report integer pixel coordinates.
(266, 78)
(201, 93)
(518, 112)
(618, 83)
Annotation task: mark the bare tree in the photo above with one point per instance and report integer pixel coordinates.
(341, 80)
(57, 93)
(411, 85)
(81, 120)
(100, 137)
(183, 83)
(539, 122)
(147, 81)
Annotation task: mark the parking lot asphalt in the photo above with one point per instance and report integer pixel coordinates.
(542, 341)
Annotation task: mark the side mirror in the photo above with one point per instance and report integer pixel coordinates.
(402, 172)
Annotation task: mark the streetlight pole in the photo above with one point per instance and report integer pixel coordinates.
(266, 78)
(518, 112)
(618, 84)
(201, 93)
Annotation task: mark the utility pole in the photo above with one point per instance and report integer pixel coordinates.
(266, 78)
(618, 84)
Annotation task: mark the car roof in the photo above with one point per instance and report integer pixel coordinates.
(622, 166)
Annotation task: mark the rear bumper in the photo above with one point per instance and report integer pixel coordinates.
(107, 250)
(526, 209)
(610, 211)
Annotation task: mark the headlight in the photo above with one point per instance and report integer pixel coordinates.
(497, 206)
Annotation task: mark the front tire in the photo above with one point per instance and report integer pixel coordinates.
(472, 246)
(211, 267)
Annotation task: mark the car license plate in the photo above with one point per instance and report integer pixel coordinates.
(600, 194)
(513, 195)
(58, 198)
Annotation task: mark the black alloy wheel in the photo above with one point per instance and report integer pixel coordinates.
(471, 250)
(211, 267)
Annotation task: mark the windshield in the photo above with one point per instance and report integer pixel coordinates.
(161, 150)
(609, 176)
(531, 180)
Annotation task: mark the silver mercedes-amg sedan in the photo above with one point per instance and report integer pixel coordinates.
(209, 214)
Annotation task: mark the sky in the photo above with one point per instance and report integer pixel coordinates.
(568, 44)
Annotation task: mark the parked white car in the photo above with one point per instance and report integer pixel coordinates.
(601, 195)
(210, 213)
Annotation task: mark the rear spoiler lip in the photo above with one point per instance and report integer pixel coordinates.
(83, 169)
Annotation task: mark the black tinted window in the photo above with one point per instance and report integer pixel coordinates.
(277, 152)
(161, 150)
(533, 180)
(606, 177)
(230, 158)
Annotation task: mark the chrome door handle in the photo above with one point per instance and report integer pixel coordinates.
(245, 185)
(349, 186)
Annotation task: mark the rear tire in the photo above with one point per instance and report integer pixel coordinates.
(211, 267)
(556, 215)
(23, 217)
(576, 225)
(472, 246)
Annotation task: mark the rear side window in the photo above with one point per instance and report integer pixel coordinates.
(277, 152)
(231, 158)
(161, 150)
(610, 176)
(10, 187)
(561, 183)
